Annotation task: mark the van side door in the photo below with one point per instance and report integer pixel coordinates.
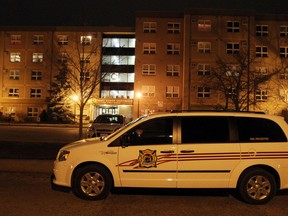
(206, 152)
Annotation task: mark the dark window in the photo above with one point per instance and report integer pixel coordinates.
(154, 131)
(259, 130)
(204, 129)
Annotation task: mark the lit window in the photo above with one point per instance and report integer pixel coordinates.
(36, 75)
(148, 69)
(85, 58)
(204, 25)
(15, 57)
(232, 48)
(119, 42)
(173, 70)
(15, 39)
(203, 92)
(38, 39)
(13, 92)
(14, 74)
(35, 93)
(173, 49)
(204, 47)
(62, 39)
(261, 71)
(233, 26)
(261, 30)
(63, 57)
(261, 95)
(232, 70)
(37, 57)
(86, 40)
(149, 48)
(32, 112)
(173, 28)
(118, 60)
(148, 91)
(261, 51)
(203, 69)
(172, 91)
(149, 27)
(284, 74)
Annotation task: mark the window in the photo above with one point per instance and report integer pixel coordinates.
(32, 112)
(119, 77)
(203, 92)
(117, 94)
(231, 92)
(151, 132)
(173, 49)
(85, 58)
(84, 76)
(149, 48)
(63, 57)
(118, 60)
(261, 30)
(119, 42)
(233, 70)
(261, 51)
(37, 57)
(148, 69)
(15, 39)
(148, 91)
(284, 74)
(35, 93)
(149, 27)
(15, 57)
(173, 70)
(14, 74)
(232, 48)
(62, 39)
(13, 92)
(259, 130)
(203, 69)
(86, 40)
(205, 129)
(261, 95)
(261, 71)
(173, 28)
(36, 75)
(233, 26)
(283, 31)
(204, 25)
(283, 51)
(38, 39)
(204, 47)
(172, 91)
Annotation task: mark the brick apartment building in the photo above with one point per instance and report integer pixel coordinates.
(166, 57)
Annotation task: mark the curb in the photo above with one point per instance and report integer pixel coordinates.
(27, 166)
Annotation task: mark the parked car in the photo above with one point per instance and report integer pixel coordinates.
(236, 150)
(104, 125)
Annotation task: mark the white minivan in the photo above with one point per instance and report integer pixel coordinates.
(241, 150)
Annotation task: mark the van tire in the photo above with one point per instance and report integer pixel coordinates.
(91, 182)
(257, 186)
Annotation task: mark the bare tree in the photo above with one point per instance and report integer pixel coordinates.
(82, 58)
(237, 81)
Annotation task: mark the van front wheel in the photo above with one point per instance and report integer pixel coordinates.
(92, 183)
(257, 186)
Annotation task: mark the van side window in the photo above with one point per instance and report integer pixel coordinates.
(259, 130)
(205, 129)
(154, 131)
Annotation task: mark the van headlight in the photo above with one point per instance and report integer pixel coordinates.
(63, 155)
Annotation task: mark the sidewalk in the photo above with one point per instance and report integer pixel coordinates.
(28, 166)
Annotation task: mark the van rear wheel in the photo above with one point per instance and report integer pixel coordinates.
(257, 186)
(92, 182)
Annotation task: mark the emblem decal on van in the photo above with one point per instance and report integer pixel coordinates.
(147, 158)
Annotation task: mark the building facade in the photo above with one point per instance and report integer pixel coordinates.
(163, 63)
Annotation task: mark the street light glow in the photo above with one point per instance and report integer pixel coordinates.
(75, 98)
(138, 95)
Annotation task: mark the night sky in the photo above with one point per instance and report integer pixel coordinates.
(114, 12)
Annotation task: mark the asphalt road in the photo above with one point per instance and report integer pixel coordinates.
(34, 142)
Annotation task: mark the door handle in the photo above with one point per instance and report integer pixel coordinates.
(187, 151)
(167, 152)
